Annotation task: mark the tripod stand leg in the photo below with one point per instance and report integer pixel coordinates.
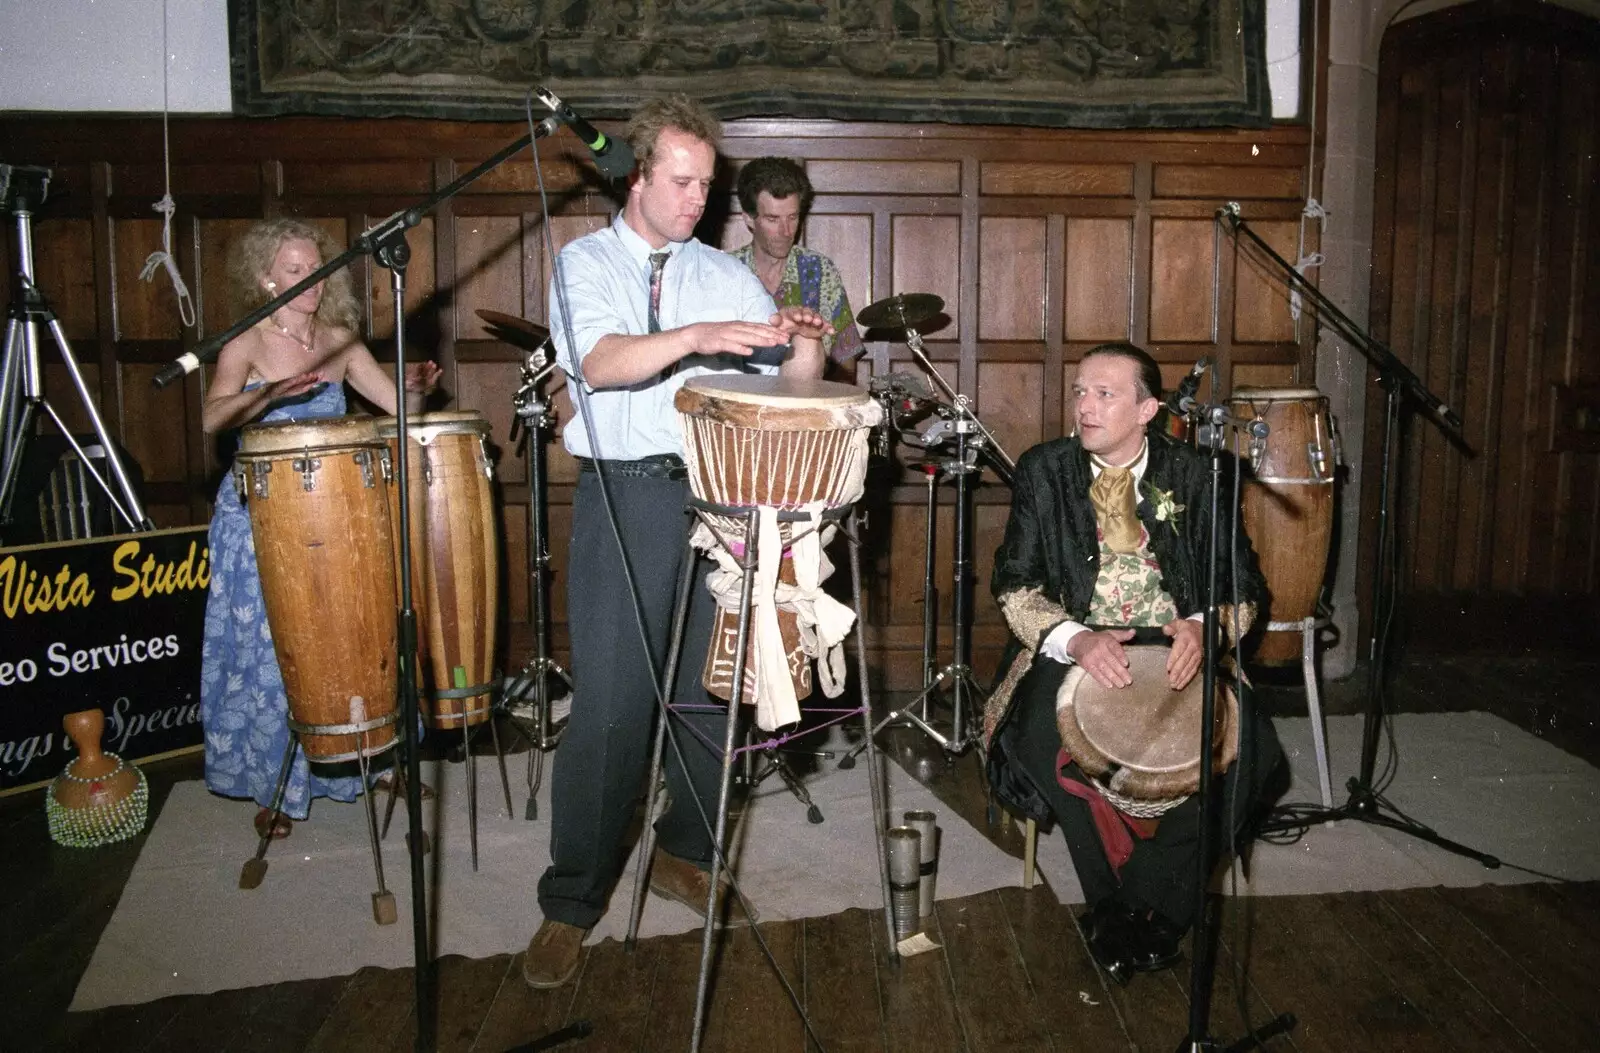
(384, 911)
(255, 870)
(653, 793)
(500, 759)
(472, 790)
(874, 758)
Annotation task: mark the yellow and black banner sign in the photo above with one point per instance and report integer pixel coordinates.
(113, 624)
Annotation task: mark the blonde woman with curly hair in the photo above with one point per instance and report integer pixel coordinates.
(293, 365)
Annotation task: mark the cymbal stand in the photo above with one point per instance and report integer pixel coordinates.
(536, 421)
(22, 189)
(957, 424)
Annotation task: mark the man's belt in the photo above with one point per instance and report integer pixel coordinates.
(656, 466)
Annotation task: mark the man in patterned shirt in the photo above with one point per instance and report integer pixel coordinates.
(775, 196)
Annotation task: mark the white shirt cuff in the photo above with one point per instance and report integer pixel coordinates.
(1056, 641)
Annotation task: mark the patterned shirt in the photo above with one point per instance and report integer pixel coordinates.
(811, 280)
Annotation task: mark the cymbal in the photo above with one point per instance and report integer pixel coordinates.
(900, 311)
(516, 331)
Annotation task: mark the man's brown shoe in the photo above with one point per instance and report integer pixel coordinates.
(553, 954)
(680, 880)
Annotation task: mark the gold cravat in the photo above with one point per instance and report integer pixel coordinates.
(1114, 508)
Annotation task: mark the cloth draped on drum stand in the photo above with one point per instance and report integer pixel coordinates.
(243, 706)
(823, 621)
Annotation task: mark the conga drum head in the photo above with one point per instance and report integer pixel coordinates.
(1141, 743)
(292, 436)
(425, 427)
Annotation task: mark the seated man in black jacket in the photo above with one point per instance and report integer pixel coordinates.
(1109, 535)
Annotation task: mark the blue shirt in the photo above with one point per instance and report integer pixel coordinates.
(607, 291)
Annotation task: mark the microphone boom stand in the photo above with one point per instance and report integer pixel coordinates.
(1397, 379)
(1203, 972)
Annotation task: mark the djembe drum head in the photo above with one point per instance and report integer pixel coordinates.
(1141, 743)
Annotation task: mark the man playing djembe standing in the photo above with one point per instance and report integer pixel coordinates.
(1109, 534)
(647, 307)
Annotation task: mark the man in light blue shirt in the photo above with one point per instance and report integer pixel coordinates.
(636, 310)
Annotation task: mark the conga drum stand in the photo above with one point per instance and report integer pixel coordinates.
(255, 869)
(746, 556)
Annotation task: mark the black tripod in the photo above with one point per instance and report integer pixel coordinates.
(530, 695)
(23, 189)
(1366, 802)
(959, 429)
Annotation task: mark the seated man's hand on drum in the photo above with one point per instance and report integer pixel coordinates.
(1101, 655)
(803, 322)
(1188, 649)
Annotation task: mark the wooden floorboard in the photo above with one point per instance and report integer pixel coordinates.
(983, 957)
(1492, 968)
(1464, 1016)
(841, 983)
(918, 998)
(1073, 1005)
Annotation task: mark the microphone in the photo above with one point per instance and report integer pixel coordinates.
(614, 159)
(1188, 386)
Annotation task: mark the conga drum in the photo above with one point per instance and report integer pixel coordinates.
(770, 442)
(455, 562)
(320, 521)
(1141, 743)
(1288, 506)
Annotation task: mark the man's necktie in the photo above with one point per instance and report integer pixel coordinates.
(658, 263)
(1114, 508)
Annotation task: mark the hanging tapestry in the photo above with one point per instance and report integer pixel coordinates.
(1049, 63)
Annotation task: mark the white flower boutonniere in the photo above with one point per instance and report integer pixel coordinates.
(1166, 509)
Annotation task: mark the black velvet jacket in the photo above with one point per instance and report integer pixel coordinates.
(1046, 568)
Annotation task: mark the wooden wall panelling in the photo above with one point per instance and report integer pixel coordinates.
(1183, 272)
(1040, 246)
(1576, 548)
(1098, 279)
(1482, 283)
(64, 271)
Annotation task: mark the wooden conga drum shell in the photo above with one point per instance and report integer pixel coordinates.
(320, 521)
(455, 561)
(1288, 506)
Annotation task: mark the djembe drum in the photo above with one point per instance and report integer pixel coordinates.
(455, 566)
(777, 444)
(1288, 505)
(320, 520)
(1141, 743)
